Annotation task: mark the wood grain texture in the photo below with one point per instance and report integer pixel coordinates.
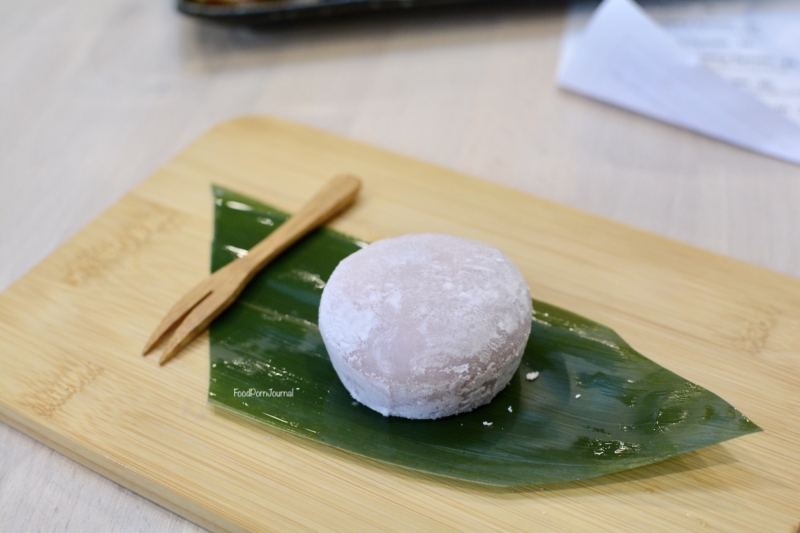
(72, 328)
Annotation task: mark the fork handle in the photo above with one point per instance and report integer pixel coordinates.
(334, 196)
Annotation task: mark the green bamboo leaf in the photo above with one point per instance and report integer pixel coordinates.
(597, 407)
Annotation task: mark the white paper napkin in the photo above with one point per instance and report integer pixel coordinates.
(624, 58)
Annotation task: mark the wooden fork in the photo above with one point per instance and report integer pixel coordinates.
(195, 311)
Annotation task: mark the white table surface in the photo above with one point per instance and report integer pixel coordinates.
(95, 95)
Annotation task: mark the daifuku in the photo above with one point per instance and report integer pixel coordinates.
(425, 326)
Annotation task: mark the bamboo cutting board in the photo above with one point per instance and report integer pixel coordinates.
(71, 331)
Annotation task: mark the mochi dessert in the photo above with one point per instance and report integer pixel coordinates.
(425, 326)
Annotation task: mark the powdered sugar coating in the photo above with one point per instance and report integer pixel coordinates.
(425, 326)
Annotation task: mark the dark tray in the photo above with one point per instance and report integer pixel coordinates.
(278, 11)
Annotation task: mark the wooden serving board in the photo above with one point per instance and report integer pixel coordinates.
(71, 332)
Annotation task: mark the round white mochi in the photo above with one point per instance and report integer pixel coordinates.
(425, 326)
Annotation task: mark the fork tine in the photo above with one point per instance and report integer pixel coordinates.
(183, 307)
(195, 322)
